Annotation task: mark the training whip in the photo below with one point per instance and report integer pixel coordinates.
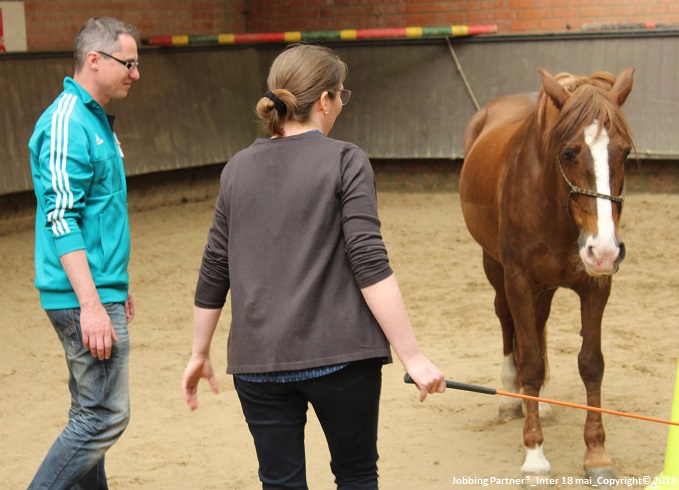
(490, 391)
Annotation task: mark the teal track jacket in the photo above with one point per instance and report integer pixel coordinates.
(79, 183)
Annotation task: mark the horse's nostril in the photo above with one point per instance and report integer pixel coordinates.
(590, 251)
(621, 255)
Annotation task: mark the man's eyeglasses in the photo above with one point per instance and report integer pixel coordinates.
(345, 95)
(128, 64)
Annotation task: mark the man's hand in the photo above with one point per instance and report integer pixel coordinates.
(97, 331)
(130, 308)
(95, 324)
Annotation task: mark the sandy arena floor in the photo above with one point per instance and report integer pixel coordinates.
(452, 439)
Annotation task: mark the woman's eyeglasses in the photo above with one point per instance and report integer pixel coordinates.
(345, 95)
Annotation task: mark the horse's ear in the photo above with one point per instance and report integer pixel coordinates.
(622, 86)
(554, 89)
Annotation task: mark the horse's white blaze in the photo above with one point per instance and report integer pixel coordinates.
(598, 146)
(601, 252)
(536, 462)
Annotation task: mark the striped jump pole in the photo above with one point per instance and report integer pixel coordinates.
(341, 35)
(668, 479)
(2, 38)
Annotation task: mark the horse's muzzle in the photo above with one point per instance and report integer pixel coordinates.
(602, 259)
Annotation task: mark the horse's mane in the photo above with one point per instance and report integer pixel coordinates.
(590, 101)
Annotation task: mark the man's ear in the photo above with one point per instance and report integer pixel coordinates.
(92, 60)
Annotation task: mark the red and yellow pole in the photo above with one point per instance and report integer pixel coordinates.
(2, 37)
(341, 35)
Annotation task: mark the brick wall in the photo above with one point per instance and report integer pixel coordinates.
(52, 24)
(511, 16)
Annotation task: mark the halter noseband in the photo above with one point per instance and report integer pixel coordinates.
(584, 192)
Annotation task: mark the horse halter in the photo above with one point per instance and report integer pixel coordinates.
(585, 192)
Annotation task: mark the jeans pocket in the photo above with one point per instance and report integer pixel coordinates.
(116, 312)
(66, 326)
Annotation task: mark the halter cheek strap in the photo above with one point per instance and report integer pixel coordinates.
(585, 192)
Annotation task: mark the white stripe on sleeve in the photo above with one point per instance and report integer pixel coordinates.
(58, 160)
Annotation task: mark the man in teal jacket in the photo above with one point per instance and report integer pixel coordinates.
(82, 249)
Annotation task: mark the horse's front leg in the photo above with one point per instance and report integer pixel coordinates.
(591, 365)
(521, 295)
(510, 408)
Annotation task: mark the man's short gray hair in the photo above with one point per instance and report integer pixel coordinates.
(100, 34)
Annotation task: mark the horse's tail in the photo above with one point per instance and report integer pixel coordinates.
(473, 129)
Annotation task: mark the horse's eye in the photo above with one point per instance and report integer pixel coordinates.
(568, 155)
(626, 151)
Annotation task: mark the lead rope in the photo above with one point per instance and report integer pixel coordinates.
(585, 192)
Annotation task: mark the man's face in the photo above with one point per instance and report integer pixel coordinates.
(115, 79)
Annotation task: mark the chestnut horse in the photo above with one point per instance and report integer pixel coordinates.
(541, 189)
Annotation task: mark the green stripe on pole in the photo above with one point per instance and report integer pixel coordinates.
(204, 39)
(436, 31)
(321, 36)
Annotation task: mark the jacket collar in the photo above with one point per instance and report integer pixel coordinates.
(72, 86)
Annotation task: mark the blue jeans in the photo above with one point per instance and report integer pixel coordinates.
(346, 403)
(100, 406)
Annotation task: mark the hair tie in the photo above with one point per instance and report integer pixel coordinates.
(280, 106)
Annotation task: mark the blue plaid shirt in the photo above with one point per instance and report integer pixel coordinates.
(291, 376)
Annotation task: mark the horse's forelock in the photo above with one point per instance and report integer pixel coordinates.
(601, 79)
(569, 82)
(590, 101)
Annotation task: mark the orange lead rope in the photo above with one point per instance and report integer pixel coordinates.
(490, 391)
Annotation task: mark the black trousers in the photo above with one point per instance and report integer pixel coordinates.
(346, 403)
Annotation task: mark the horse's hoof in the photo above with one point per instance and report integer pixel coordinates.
(600, 476)
(510, 412)
(535, 463)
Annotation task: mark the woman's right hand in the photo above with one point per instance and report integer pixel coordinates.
(196, 369)
(428, 378)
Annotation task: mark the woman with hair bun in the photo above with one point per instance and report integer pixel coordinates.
(315, 305)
